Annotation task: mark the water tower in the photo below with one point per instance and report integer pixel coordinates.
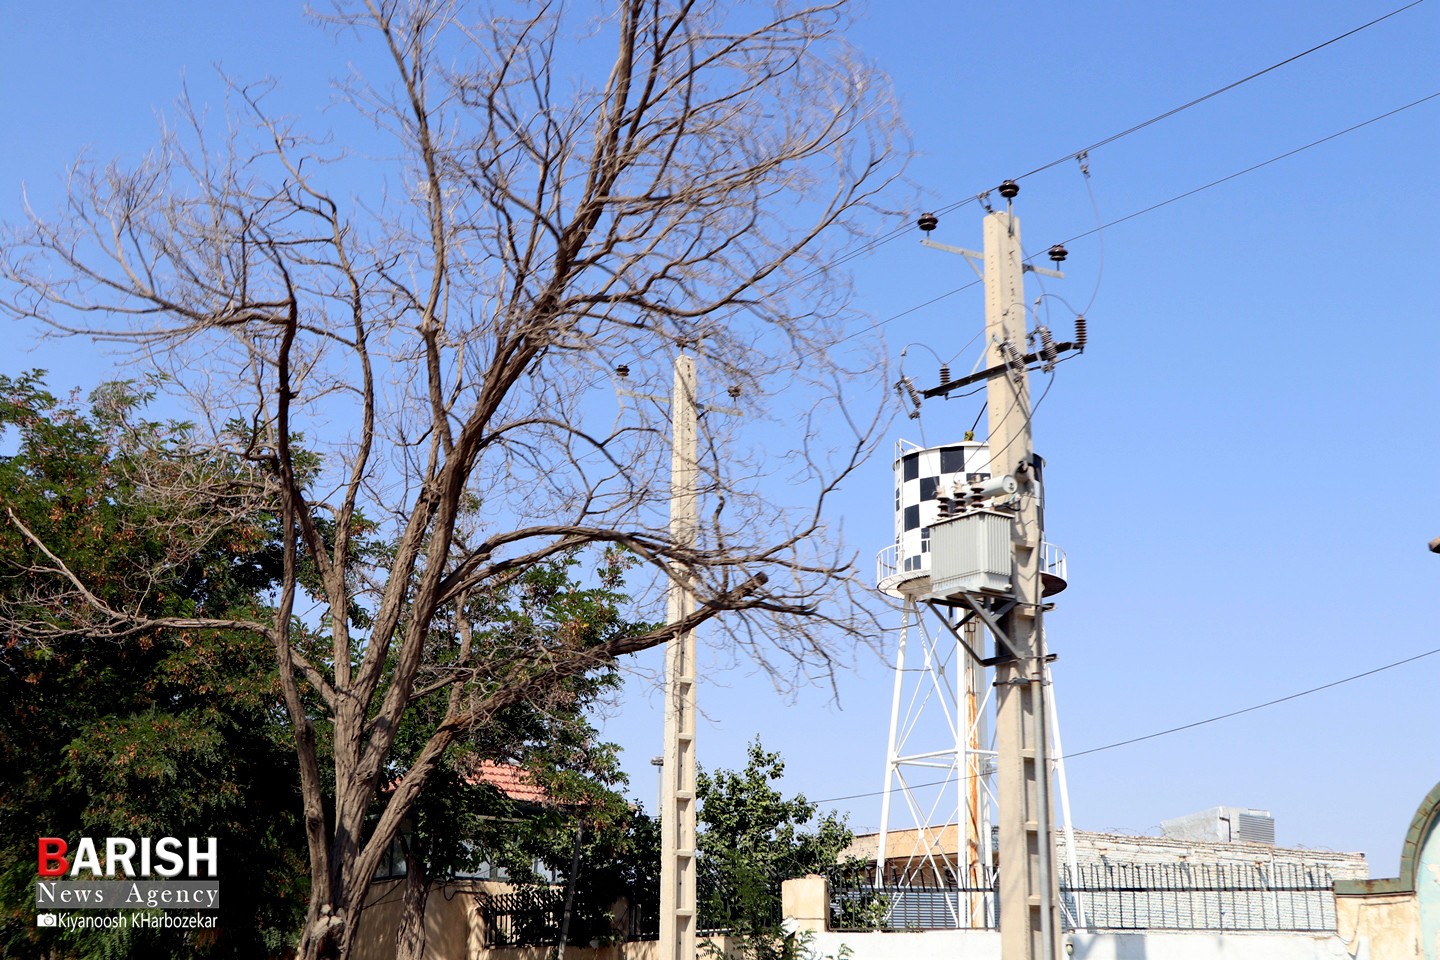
(939, 799)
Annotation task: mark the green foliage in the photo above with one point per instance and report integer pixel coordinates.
(617, 868)
(460, 821)
(862, 912)
(163, 732)
(156, 732)
(774, 945)
(752, 838)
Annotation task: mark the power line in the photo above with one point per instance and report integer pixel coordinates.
(898, 231)
(1076, 154)
(1253, 167)
(1258, 706)
(1106, 141)
(1170, 730)
(1189, 193)
(1215, 93)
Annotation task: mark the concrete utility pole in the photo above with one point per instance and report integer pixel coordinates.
(1029, 893)
(993, 561)
(677, 811)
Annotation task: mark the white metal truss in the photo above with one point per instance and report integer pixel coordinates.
(939, 799)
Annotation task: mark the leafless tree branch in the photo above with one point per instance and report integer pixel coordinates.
(429, 367)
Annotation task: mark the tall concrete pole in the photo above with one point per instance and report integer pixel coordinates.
(1029, 896)
(678, 918)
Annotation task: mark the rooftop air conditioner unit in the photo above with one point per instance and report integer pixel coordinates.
(1223, 825)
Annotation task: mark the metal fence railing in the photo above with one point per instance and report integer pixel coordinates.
(532, 917)
(521, 917)
(1275, 897)
(1260, 897)
(858, 905)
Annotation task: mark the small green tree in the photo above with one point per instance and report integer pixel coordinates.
(604, 858)
(461, 819)
(751, 839)
(148, 732)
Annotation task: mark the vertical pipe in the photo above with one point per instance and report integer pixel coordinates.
(893, 751)
(570, 882)
(1064, 787)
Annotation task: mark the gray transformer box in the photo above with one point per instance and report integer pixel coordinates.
(971, 553)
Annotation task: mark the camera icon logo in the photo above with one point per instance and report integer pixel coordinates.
(46, 920)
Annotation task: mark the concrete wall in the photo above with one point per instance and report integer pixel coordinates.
(970, 944)
(640, 950)
(1427, 885)
(1379, 925)
(455, 930)
(1398, 917)
(985, 945)
(452, 924)
(804, 898)
(1200, 945)
(805, 903)
(1100, 848)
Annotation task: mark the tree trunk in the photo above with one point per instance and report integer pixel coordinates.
(410, 936)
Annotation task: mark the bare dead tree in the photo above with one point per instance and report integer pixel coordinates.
(428, 359)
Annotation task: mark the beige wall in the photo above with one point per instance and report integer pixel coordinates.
(640, 950)
(454, 929)
(1382, 926)
(805, 902)
(1169, 945)
(452, 922)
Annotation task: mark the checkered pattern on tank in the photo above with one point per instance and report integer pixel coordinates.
(917, 477)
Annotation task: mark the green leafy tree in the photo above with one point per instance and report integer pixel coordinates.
(461, 820)
(752, 838)
(603, 856)
(150, 732)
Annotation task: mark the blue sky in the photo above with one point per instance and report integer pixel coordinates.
(1240, 466)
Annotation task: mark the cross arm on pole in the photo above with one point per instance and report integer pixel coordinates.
(982, 661)
(991, 620)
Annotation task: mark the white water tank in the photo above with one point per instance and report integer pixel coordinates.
(918, 471)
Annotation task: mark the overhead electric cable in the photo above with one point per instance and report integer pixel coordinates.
(1138, 213)
(1258, 706)
(897, 232)
(1214, 93)
(1153, 207)
(1186, 726)
(1077, 154)
(1156, 206)
(1253, 167)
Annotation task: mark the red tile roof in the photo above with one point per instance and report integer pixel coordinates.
(512, 781)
